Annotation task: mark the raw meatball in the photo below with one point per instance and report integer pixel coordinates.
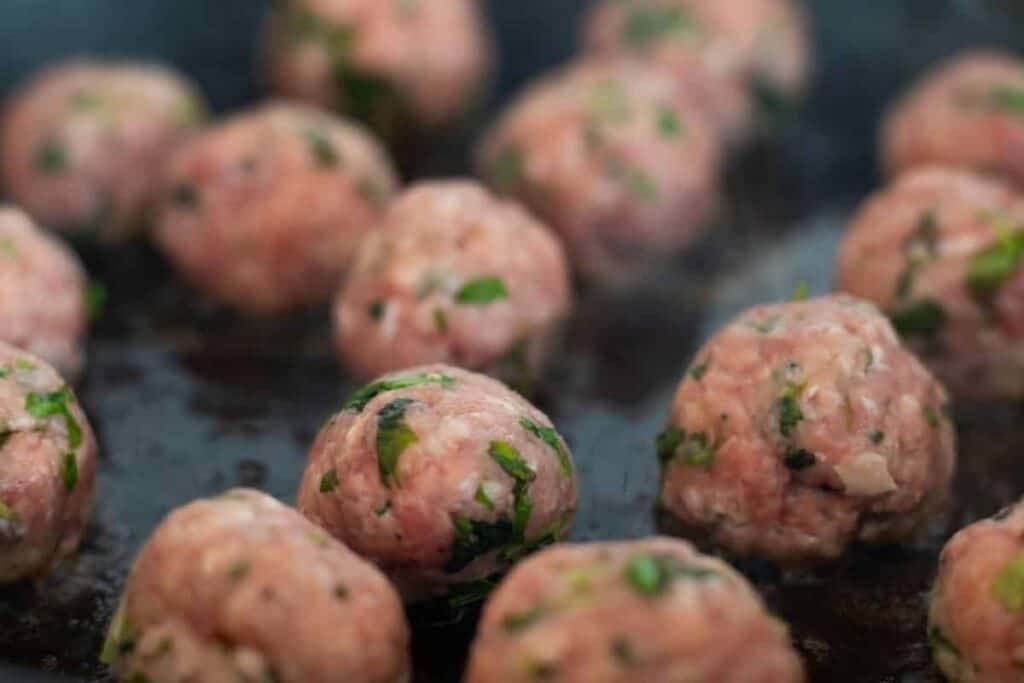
(82, 144)
(443, 478)
(803, 427)
(940, 251)
(454, 276)
(243, 588)
(728, 51)
(47, 467)
(968, 112)
(264, 211)
(648, 611)
(976, 620)
(42, 293)
(382, 61)
(612, 156)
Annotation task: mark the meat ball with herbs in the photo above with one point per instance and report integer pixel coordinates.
(940, 252)
(802, 428)
(82, 144)
(264, 211)
(454, 276)
(643, 611)
(615, 158)
(732, 54)
(386, 62)
(242, 588)
(967, 112)
(47, 467)
(43, 307)
(442, 477)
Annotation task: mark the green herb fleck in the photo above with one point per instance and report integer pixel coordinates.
(324, 153)
(801, 291)
(69, 471)
(239, 570)
(924, 318)
(482, 291)
(507, 169)
(938, 641)
(383, 509)
(95, 299)
(608, 103)
(652, 574)
(56, 403)
(6, 513)
(359, 400)
(645, 25)
(635, 179)
(7, 247)
(393, 436)
(510, 461)
(549, 436)
(83, 100)
(989, 269)
(474, 538)
(799, 459)
(931, 416)
(468, 593)
(482, 498)
(1008, 586)
(373, 192)
(51, 157)
(668, 443)
(520, 621)
(877, 437)
(376, 309)
(698, 371)
(622, 651)
(1008, 98)
(440, 320)
(329, 481)
(790, 414)
(120, 637)
(669, 125)
(341, 591)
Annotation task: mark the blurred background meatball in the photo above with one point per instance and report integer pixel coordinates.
(732, 53)
(42, 293)
(442, 477)
(47, 467)
(939, 251)
(629, 612)
(455, 276)
(385, 62)
(803, 427)
(615, 158)
(82, 144)
(264, 211)
(968, 111)
(243, 588)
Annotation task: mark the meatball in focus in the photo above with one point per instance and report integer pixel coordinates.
(264, 211)
(47, 467)
(243, 588)
(802, 428)
(638, 611)
(615, 158)
(42, 293)
(967, 112)
(454, 276)
(976, 620)
(83, 144)
(940, 252)
(443, 478)
(385, 62)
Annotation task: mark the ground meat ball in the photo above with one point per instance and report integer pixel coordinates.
(42, 293)
(726, 50)
(803, 427)
(939, 251)
(968, 112)
(243, 588)
(82, 144)
(265, 210)
(454, 276)
(644, 611)
(382, 61)
(614, 158)
(443, 478)
(47, 467)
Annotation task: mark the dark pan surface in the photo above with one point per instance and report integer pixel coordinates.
(189, 400)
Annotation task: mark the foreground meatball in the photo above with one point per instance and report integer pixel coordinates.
(47, 467)
(454, 276)
(612, 156)
(442, 477)
(382, 61)
(42, 293)
(82, 145)
(242, 588)
(638, 612)
(728, 51)
(967, 112)
(940, 252)
(803, 427)
(265, 210)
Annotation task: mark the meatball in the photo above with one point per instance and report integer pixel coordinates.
(82, 144)
(614, 157)
(454, 276)
(637, 611)
(939, 251)
(243, 588)
(47, 467)
(803, 427)
(386, 62)
(265, 210)
(443, 478)
(967, 112)
(42, 293)
(725, 50)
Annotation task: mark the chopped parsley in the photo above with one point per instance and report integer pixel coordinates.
(239, 570)
(698, 371)
(83, 100)
(440, 320)
(549, 436)
(482, 291)
(507, 169)
(667, 121)
(695, 449)
(474, 538)
(341, 591)
(634, 179)
(510, 461)
(120, 637)
(989, 269)
(373, 192)
(95, 299)
(799, 459)
(652, 574)
(923, 318)
(376, 310)
(481, 497)
(647, 24)
(322, 149)
(608, 103)
(468, 593)
(51, 157)
(931, 416)
(520, 621)
(367, 96)
(7, 247)
(668, 442)
(6, 512)
(801, 291)
(938, 641)
(393, 436)
(790, 414)
(359, 400)
(1008, 585)
(69, 471)
(329, 481)
(53, 404)
(1008, 98)
(919, 248)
